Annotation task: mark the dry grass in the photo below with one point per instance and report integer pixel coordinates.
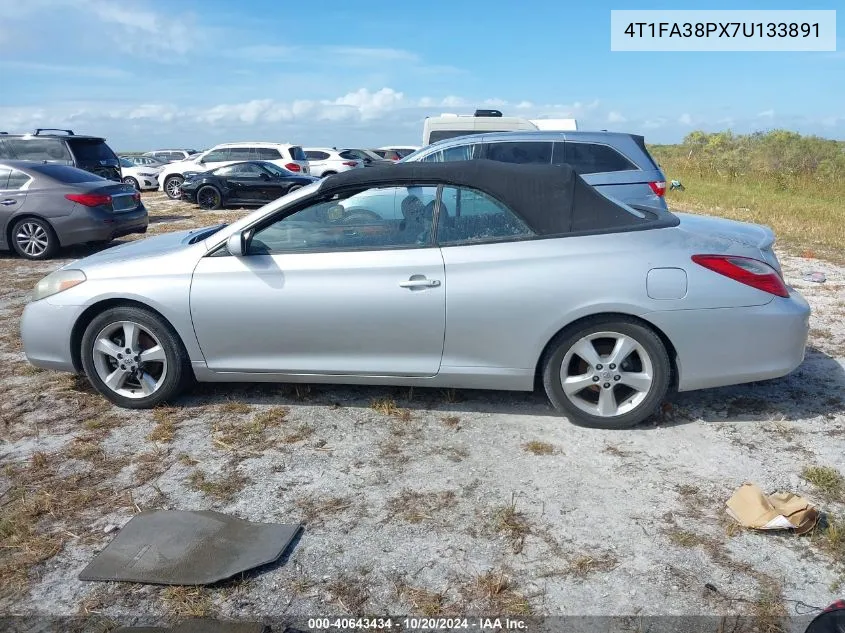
(536, 447)
(222, 488)
(451, 421)
(586, 564)
(685, 538)
(316, 511)
(827, 481)
(234, 408)
(388, 406)
(187, 602)
(349, 592)
(252, 434)
(425, 603)
(415, 507)
(494, 593)
(301, 432)
(165, 428)
(511, 523)
(769, 610)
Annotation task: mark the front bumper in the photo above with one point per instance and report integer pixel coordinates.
(46, 334)
(728, 346)
(148, 182)
(88, 224)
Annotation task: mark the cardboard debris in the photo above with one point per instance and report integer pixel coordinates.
(780, 511)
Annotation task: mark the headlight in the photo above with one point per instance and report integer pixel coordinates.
(56, 282)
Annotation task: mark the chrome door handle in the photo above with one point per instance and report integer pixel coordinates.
(420, 283)
(8, 202)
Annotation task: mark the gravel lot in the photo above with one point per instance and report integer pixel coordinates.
(427, 501)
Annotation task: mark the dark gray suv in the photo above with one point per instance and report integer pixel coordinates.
(90, 153)
(616, 164)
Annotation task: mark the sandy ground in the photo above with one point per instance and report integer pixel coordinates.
(426, 501)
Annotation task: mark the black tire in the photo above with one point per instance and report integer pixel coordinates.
(129, 180)
(178, 376)
(651, 345)
(173, 187)
(209, 198)
(326, 174)
(34, 238)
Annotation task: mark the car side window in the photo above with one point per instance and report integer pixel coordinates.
(267, 153)
(459, 152)
(373, 219)
(527, 152)
(40, 149)
(242, 153)
(468, 216)
(592, 158)
(4, 177)
(217, 156)
(313, 155)
(17, 180)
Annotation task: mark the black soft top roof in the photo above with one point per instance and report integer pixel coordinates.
(550, 199)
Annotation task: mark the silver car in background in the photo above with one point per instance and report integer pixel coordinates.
(617, 164)
(44, 206)
(473, 274)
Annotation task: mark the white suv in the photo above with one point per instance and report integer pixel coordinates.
(285, 155)
(325, 161)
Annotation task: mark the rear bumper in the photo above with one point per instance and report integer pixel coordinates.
(728, 346)
(87, 224)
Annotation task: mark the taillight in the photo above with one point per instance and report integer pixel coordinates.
(90, 199)
(136, 197)
(293, 167)
(658, 187)
(745, 270)
(350, 163)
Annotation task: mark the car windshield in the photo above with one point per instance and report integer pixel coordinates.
(124, 162)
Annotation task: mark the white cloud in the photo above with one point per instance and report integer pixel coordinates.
(615, 117)
(454, 102)
(524, 105)
(495, 103)
(766, 114)
(99, 72)
(653, 124)
(685, 119)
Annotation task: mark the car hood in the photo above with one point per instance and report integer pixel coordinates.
(744, 233)
(139, 249)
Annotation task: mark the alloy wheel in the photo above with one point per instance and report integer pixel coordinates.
(606, 374)
(208, 198)
(174, 187)
(32, 239)
(129, 359)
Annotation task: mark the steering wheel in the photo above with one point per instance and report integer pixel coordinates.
(359, 215)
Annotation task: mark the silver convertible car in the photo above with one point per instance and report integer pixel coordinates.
(471, 274)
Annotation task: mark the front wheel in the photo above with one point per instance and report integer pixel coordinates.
(129, 180)
(209, 198)
(173, 187)
(611, 373)
(134, 358)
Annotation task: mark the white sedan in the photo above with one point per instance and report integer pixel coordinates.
(139, 176)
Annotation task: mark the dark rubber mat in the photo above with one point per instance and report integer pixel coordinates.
(173, 547)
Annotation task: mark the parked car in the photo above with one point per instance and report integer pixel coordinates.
(90, 153)
(389, 154)
(402, 150)
(141, 178)
(451, 125)
(290, 157)
(171, 155)
(247, 184)
(366, 156)
(143, 161)
(348, 280)
(44, 206)
(617, 164)
(325, 161)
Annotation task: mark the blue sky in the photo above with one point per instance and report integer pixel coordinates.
(151, 73)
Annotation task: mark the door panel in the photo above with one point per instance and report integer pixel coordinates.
(360, 312)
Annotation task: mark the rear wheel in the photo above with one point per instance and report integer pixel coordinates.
(129, 180)
(34, 238)
(173, 187)
(611, 373)
(209, 198)
(134, 358)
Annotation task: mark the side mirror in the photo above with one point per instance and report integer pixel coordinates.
(235, 244)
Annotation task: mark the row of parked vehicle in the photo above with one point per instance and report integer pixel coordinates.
(46, 202)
